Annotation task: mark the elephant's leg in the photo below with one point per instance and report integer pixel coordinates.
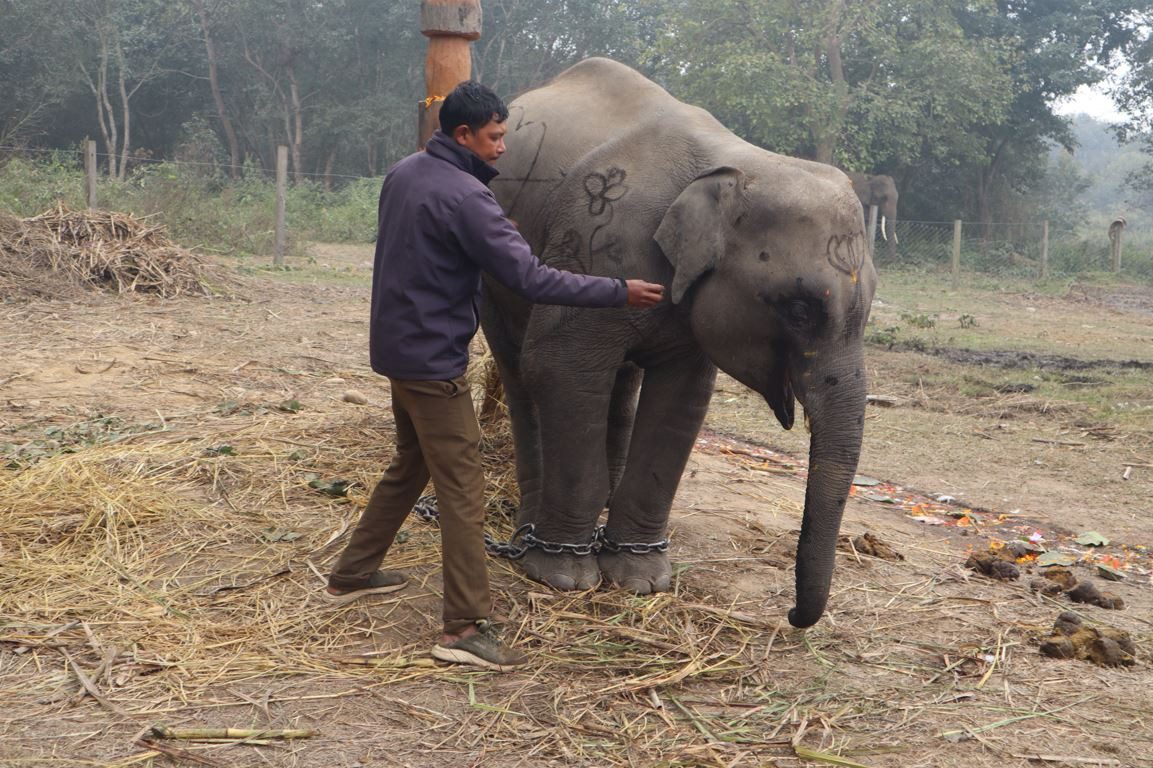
(673, 401)
(622, 413)
(500, 321)
(572, 387)
(526, 440)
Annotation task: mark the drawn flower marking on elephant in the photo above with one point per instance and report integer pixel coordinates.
(770, 279)
(603, 190)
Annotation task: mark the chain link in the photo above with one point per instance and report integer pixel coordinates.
(523, 539)
(580, 550)
(601, 537)
(425, 508)
(509, 550)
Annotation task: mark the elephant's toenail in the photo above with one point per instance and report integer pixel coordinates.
(560, 581)
(640, 586)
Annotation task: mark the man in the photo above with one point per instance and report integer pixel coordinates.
(439, 228)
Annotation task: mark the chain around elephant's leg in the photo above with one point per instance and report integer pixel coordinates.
(673, 399)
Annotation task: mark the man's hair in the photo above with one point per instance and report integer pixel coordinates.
(471, 104)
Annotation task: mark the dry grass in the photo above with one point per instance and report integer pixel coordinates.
(102, 249)
(155, 580)
(168, 574)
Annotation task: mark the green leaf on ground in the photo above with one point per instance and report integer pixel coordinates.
(1091, 539)
(272, 533)
(1055, 558)
(332, 487)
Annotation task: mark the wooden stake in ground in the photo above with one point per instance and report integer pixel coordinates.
(450, 26)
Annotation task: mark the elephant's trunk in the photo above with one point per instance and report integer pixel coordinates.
(836, 409)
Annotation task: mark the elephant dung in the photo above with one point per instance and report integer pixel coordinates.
(868, 544)
(1087, 592)
(1104, 646)
(1063, 577)
(1046, 587)
(994, 564)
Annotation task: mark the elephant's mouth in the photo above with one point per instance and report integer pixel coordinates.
(779, 392)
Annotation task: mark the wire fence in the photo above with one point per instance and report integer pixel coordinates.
(239, 215)
(1020, 249)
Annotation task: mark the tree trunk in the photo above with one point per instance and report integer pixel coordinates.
(235, 158)
(328, 161)
(125, 113)
(298, 128)
(105, 118)
(986, 179)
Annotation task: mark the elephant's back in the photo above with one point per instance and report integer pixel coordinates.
(553, 129)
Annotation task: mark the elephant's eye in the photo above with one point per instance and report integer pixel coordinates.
(799, 311)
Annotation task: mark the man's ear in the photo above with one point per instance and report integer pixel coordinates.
(694, 230)
(462, 133)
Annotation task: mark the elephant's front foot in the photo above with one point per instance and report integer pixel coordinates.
(562, 571)
(643, 574)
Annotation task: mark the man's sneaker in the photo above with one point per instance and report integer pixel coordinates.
(481, 649)
(380, 583)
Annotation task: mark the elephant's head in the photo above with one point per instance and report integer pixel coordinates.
(880, 191)
(773, 267)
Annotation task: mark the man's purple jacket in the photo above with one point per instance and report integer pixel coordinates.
(439, 228)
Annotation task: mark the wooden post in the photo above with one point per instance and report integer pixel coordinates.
(872, 229)
(90, 172)
(1115, 229)
(281, 194)
(1045, 250)
(450, 26)
(956, 250)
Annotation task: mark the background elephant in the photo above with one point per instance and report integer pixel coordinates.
(769, 278)
(880, 191)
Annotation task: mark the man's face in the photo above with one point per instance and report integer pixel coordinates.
(487, 143)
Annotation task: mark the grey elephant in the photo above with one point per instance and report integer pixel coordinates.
(769, 278)
(881, 191)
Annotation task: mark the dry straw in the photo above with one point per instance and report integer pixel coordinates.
(102, 249)
(168, 576)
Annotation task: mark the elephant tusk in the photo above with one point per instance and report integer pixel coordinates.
(895, 240)
(884, 236)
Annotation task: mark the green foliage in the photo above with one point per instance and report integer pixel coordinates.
(205, 211)
(919, 319)
(953, 98)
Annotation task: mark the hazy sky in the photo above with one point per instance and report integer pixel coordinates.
(1091, 101)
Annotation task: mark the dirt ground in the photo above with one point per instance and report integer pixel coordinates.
(162, 548)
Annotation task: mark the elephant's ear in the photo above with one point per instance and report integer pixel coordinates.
(693, 231)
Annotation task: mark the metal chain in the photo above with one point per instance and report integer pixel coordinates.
(425, 508)
(601, 537)
(510, 550)
(580, 550)
(523, 539)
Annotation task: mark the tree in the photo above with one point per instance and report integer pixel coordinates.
(32, 85)
(1056, 46)
(867, 86)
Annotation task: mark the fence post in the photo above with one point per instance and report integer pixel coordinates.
(1045, 249)
(90, 172)
(872, 234)
(281, 192)
(956, 250)
(1115, 230)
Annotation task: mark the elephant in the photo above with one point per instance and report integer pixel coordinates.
(880, 191)
(767, 275)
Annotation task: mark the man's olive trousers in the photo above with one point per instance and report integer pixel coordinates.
(437, 435)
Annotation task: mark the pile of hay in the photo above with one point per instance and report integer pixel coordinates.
(61, 250)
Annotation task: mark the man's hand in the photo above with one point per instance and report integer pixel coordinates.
(642, 294)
